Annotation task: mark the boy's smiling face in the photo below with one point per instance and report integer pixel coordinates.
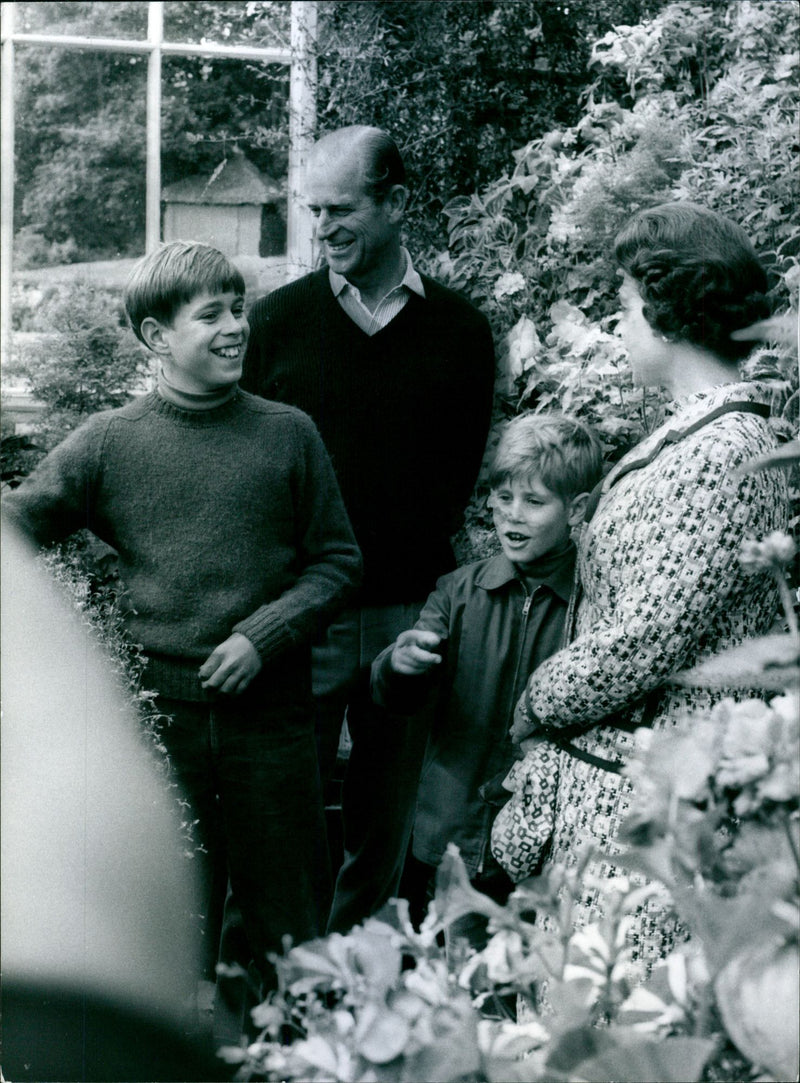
(531, 520)
(202, 348)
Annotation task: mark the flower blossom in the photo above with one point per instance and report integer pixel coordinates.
(773, 552)
(508, 285)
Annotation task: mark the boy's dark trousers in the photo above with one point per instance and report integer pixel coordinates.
(248, 770)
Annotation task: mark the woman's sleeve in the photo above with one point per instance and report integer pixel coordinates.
(676, 552)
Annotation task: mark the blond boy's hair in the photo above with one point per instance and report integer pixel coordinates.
(563, 452)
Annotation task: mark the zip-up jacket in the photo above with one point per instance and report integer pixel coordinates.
(498, 627)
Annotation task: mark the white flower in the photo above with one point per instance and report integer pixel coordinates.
(508, 285)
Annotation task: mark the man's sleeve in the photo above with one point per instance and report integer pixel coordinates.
(471, 411)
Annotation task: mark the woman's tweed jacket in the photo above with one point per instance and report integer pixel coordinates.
(662, 589)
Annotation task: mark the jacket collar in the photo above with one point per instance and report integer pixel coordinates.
(498, 572)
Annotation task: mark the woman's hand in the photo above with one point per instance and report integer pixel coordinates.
(524, 723)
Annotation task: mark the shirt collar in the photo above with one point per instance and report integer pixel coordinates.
(411, 280)
(499, 572)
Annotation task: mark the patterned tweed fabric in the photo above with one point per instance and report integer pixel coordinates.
(662, 589)
(524, 825)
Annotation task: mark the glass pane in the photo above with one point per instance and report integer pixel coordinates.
(80, 156)
(261, 22)
(224, 153)
(99, 20)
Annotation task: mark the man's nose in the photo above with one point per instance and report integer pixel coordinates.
(323, 224)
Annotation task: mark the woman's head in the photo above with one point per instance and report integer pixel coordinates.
(698, 276)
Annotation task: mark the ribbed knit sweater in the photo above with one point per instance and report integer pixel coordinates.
(225, 520)
(404, 414)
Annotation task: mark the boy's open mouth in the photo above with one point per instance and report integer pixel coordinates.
(228, 352)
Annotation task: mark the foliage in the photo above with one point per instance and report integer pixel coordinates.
(460, 84)
(700, 103)
(80, 133)
(85, 359)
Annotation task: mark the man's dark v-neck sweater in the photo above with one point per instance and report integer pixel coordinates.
(404, 414)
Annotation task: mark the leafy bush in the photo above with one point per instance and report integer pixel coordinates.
(698, 103)
(83, 358)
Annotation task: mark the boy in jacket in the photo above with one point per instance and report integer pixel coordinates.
(482, 631)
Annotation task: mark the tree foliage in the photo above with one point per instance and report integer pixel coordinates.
(698, 103)
(460, 83)
(80, 136)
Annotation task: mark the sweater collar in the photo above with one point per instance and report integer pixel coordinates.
(554, 570)
(195, 402)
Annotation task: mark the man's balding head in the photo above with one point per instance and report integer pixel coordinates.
(377, 154)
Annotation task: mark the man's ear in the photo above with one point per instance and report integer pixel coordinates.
(576, 509)
(152, 331)
(395, 201)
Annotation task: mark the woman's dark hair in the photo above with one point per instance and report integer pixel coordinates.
(698, 274)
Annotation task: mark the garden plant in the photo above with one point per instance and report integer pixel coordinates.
(714, 827)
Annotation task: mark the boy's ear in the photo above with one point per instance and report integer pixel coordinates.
(576, 509)
(152, 331)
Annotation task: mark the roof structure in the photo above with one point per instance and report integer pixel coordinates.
(235, 181)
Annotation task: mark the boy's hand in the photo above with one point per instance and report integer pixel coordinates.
(415, 652)
(231, 666)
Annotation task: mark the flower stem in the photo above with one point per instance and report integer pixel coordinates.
(787, 603)
(787, 826)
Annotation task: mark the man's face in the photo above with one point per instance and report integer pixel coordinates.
(359, 238)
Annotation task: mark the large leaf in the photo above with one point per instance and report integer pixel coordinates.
(596, 1056)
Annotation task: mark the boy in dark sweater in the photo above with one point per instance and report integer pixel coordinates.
(234, 552)
(479, 636)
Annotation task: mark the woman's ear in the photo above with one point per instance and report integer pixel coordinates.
(576, 509)
(152, 331)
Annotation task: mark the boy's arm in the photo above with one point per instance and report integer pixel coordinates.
(329, 560)
(393, 684)
(56, 499)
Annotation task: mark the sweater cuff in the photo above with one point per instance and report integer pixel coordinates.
(267, 631)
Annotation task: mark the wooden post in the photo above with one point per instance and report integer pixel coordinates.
(7, 181)
(155, 29)
(302, 129)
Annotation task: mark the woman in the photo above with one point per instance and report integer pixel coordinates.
(662, 587)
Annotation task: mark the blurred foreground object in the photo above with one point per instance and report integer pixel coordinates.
(98, 960)
(784, 329)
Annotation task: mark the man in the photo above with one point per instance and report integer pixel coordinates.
(397, 372)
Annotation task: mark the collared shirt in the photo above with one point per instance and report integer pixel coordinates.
(349, 297)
